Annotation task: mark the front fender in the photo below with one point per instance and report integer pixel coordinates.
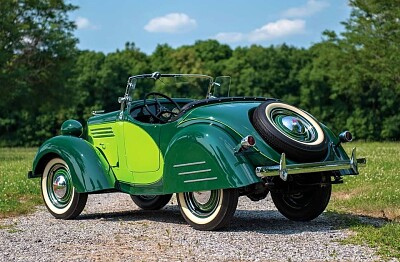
(89, 169)
(201, 157)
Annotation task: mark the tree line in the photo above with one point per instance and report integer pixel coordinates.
(348, 81)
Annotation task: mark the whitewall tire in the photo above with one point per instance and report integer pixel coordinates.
(208, 210)
(59, 195)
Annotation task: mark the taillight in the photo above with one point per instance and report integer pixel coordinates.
(248, 141)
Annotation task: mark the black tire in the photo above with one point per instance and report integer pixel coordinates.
(151, 202)
(59, 195)
(304, 205)
(208, 210)
(290, 130)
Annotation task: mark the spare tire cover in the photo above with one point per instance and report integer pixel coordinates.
(290, 130)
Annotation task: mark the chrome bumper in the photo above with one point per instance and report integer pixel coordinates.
(283, 170)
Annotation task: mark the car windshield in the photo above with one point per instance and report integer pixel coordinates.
(178, 85)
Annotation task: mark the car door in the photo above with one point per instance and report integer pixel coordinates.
(143, 157)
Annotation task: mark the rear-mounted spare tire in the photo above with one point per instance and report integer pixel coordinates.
(290, 130)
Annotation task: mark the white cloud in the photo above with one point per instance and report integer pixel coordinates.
(280, 28)
(84, 23)
(171, 23)
(310, 8)
(270, 31)
(230, 37)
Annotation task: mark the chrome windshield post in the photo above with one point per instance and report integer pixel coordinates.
(127, 98)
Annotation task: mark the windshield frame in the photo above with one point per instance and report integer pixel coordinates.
(128, 97)
(132, 81)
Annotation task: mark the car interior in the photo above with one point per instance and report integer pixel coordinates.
(142, 114)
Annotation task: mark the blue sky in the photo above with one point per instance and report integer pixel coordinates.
(107, 25)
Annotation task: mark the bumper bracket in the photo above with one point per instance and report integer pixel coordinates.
(283, 170)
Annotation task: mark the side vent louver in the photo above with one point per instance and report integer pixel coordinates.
(102, 132)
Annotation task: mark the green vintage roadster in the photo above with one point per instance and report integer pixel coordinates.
(208, 151)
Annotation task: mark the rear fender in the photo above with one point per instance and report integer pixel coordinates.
(89, 169)
(201, 157)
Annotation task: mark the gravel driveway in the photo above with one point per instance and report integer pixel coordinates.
(112, 228)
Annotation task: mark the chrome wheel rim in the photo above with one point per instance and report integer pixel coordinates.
(293, 125)
(204, 203)
(59, 186)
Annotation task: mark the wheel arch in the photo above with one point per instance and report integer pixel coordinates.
(201, 157)
(89, 169)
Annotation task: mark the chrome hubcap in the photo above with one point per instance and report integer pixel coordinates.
(60, 186)
(202, 197)
(203, 204)
(294, 125)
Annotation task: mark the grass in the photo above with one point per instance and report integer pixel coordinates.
(18, 195)
(379, 234)
(374, 193)
(385, 238)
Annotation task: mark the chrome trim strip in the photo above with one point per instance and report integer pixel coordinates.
(283, 169)
(190, 164)
(194, 172)
(201, 180)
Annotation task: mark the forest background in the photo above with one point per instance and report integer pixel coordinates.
(348, 81)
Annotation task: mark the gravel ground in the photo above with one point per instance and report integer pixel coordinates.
(112, 228)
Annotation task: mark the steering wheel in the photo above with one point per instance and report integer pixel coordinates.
(163, 113)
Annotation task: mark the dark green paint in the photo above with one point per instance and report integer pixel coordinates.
(103, 118)
(204, 142)
(89, 169)
(234, 118)
(71, 127)
(198, 150)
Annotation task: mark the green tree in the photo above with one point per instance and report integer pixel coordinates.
(114, 73)
(83, 85)
(353, 81)
(161, 59)
(212, 55)
(374, 31)
(36, 52)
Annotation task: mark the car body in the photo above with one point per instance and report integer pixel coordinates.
(209, 151)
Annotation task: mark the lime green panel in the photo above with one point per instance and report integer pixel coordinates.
(103, 136)
(143, 157)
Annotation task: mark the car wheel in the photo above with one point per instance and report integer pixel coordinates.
(290, 130)
(151, 202)
(208, 210)
(304, 205)
(58, 192)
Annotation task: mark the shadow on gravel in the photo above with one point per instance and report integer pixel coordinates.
(260, 221)
(272, 222)
(169, 214)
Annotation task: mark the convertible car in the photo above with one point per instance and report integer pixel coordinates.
(207, 150)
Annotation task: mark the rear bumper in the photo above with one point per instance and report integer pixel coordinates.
(283, 170)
